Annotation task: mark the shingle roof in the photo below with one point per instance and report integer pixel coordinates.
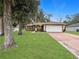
(74, 25)
(48, 23)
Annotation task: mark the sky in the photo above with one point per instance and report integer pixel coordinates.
(59, 8)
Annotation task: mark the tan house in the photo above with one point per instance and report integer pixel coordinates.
(47, 27)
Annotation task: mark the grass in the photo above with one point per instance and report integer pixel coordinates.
(35, 46)
(76, 33)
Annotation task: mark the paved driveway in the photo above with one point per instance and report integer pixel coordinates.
(69, 41)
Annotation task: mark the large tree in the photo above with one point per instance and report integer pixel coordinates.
(1, 17)
(7, 16)
(75, 18)
(16, 9)
(22, 9)
(40, 16)
(72, 19)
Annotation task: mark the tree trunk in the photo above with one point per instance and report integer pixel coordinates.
(9, 42)
(20, 28)
(2, 27)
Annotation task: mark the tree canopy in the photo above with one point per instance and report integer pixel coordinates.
(16, 10)
(73, 19)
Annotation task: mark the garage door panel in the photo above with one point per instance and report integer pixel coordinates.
(54, 28)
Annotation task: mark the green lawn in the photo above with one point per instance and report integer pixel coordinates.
(35, 46)
(76, 33)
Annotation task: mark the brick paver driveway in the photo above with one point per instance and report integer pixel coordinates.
(71, 42)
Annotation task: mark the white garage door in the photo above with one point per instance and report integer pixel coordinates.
(52, 28)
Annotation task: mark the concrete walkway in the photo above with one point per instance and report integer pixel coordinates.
(69, 41)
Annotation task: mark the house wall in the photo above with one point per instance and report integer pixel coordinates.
(72, 29)
(44, 28)
(32, 28)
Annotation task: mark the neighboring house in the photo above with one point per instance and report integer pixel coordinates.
(47, 27)
(73, 27)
